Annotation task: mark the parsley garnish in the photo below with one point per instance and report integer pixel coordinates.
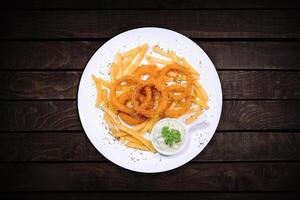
(170, 136)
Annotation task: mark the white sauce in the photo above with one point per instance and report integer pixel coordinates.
(158, 140)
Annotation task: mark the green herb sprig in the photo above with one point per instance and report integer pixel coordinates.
(171, 136)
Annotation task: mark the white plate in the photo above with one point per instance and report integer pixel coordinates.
(92, 118)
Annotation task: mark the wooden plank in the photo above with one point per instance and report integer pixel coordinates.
(225, 55)
(193, 23)
(236, 115)
(46, 55)
(39, 85)
(144, 4)
(235, 85)
(75, 146)
(149, 195)
(109, 177)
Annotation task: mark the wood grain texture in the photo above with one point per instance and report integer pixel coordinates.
(149, 195)
(236, 115)
(190, 177)
(107, 23)
(145, 4)
(235, 85)
(75, 146)
(44, 55)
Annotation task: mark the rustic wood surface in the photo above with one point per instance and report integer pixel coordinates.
(44, 47)
(107, 23)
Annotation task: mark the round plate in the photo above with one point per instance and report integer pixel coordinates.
(92, 117)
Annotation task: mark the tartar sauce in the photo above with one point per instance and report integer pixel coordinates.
(159, 141)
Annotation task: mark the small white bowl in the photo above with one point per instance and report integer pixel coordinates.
(186, 129)
(184, 134)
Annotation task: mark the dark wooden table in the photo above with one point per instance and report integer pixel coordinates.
(44, 46)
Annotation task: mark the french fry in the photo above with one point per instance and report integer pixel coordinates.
(110, 124)
(150, 61)
(128, 62)
(150, 124)
(119, 65)
(158, 60)
(133, 50)
(200, 103)
(139, 59)
(187, 64)
(173, 56)
(104, 96)
(137, 146)
(173, 104)
(193, 117)
(99, 91)
(140, 50)
(140, 126)
(120, 134)
(132, 139)
(104, 83)
(201, 92)
(113, 72)
(160, 51)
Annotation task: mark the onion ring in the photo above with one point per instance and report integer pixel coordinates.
(177, 88)
(113, 93)
(151, 70)
(163, 75)
(133, 118)
(143, 108)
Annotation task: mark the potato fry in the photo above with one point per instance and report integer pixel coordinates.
(150, 61)
(194, 72)
(201, 92)
(200, 103)
(133, 50)
(160, 51)
(140, 126)
(120, 134)
(119, 66)
(193, 117)
(110, 124)
(137, 146)
(139, 59)
(158, 60)
(112, 72)
(173, 56)
(104, 96)
(150, 124)
(105, 83)
(99, 91)
(132, 139)
(128, 63)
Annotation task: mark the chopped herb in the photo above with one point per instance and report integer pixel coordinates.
(170, 136)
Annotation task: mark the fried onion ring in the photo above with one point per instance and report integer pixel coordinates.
(163, 75)
(150, 70)
(133, 118)
(145, 109)
(177, 88)
(113, 93)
